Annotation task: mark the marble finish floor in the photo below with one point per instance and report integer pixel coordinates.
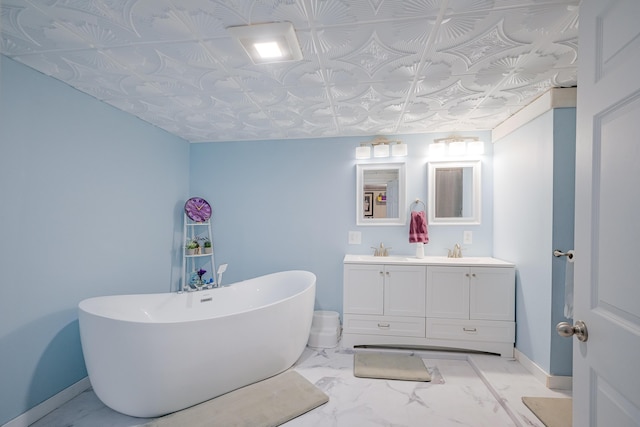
(467, 390)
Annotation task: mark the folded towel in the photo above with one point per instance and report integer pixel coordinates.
(418, 228)
(568, 286)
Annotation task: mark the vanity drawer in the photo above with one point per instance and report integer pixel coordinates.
(471, 330)
(384, 325)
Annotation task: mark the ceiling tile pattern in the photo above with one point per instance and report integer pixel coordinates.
(370, 66)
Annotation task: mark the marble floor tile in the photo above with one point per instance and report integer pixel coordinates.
(457, 396)
(510, 381)
(86, 410)
(466, 390)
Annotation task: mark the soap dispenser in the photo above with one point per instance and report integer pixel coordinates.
(419, 250)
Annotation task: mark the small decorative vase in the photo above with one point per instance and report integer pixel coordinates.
(190, 251)
(199, 282)
(208, 250)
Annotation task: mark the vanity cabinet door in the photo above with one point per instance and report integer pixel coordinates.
(363, 289)
(478, 293)
(404, 291)
(492, 294)
(448, 292)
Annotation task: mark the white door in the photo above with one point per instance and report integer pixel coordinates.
(607, 223)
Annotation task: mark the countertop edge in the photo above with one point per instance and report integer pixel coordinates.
(427, 261)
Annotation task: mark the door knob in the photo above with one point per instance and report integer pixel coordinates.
(579, 330)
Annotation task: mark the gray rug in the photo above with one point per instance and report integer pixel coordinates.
(390, 366)
(267, 403)
(552, 411)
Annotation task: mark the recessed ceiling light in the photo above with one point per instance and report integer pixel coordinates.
(268, 50)
(266, 43)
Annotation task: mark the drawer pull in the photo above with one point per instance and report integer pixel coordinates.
(384, 325)
(470, 329)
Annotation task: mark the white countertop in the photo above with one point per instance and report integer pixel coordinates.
(427, 260)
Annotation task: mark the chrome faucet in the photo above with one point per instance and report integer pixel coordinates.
(456, 252)
(381, 251)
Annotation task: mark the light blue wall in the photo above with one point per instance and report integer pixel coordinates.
(523, 219)
(533, 214)
(564, 176)
(290, 204)
(90, 204)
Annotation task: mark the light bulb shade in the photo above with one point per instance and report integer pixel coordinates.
(381, 150)
(457, 148)
(475, 148)
(399, 150)
(437, 149)
(363, 152)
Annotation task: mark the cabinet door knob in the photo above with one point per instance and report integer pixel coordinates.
(388, 274)
(381, 273)
(467, 274)
(473, 274)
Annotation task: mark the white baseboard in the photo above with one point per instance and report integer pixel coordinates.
(54, 402)
(557, 382)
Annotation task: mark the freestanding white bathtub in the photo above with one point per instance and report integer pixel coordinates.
(149, 355)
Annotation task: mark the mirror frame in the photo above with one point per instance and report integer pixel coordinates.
(402, 189)
(474, 219)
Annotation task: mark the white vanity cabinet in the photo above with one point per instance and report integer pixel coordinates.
(387, 300)
(433, 301)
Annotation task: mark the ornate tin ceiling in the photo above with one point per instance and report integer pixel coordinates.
(370, 66)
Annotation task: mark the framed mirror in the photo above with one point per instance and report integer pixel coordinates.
(380, 194)
(454, 192)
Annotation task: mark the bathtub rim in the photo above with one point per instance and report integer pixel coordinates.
(82, 310)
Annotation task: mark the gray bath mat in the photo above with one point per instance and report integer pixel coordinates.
(552, 411)
(390, 366)
(267, 403)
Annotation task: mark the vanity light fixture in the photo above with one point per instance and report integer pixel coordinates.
(382, 147)
(456, 146)
(475, 148)
(267, 43)
(381, 150)
(399, 149)
(437, 149)
(363, 152)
